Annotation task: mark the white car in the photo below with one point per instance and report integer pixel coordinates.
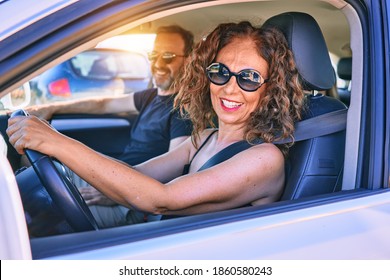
(348, 217)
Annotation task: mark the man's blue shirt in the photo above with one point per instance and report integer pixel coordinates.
(157, 124)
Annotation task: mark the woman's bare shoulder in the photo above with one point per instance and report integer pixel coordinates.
(267, 147)
(265, 153)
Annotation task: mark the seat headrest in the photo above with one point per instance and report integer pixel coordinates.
(308, 45)
(344, 68)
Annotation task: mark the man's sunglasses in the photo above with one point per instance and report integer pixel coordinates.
(247, 79)
(168, 57)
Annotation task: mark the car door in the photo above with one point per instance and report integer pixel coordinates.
(107, 134)
(350, 224)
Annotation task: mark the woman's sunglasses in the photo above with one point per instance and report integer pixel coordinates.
(247, 79)
(167, 57)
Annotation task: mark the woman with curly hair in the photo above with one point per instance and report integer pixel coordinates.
(240, 79)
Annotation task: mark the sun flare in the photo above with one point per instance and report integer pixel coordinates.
(134, 42)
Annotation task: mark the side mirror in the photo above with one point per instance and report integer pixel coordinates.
(16, 99)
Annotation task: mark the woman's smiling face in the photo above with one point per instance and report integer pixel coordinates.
(232, 104)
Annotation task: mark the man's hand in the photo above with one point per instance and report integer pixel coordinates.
(93, 197)
(44, 112)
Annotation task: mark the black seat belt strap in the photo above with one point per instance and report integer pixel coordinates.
(226, 153)
(331, 122)
(317, 126)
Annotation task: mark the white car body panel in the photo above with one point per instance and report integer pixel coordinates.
(14, 240)
(311, 233)
(26, 14)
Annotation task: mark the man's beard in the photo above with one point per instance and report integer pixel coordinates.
(165, 84)
(169, 82)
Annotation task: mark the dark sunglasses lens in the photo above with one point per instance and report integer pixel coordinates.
(249, 80)
(218, 74)
(168, 57)
(152, 56)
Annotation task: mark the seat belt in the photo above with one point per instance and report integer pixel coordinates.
(331, 122)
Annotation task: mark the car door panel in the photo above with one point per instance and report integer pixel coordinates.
(105, 134)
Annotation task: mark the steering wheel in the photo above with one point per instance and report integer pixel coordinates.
(64, 194)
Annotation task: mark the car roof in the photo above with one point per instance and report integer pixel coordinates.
(25, 15)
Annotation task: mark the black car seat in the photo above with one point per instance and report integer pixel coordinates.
(314, 166)
(344, 71)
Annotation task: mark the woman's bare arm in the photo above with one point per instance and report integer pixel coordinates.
(255, 175)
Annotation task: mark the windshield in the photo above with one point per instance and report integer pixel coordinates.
(99, 64)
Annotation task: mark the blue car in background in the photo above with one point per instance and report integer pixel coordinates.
(94, 72)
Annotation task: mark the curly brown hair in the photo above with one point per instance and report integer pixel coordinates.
(277, 110)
